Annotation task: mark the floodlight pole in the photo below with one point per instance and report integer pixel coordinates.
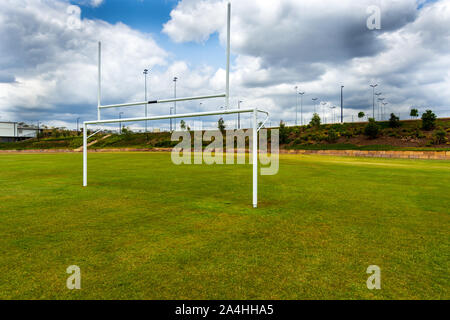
(239, 115)
(296, 103)
(227, 98)
(315, 99)
(373, 97)
(301, 107)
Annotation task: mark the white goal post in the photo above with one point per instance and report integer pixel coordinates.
(253, 111)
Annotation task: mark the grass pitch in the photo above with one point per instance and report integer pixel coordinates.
(147, 229)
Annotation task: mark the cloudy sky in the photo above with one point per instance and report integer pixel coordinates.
(48, 57)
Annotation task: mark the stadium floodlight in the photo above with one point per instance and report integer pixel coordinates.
(239, 115)
(301, 106)
(373, 97)
(253, 111)
(315, 99)
(323, 103)
(296, 103)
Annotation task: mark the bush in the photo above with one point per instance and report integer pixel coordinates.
(394, 121)
(284, 133)
(440, 137)
(333, 136)
(315, 121)
(428, 120)
(372, 129)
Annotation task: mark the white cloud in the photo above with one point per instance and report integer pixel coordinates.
(322, 44)
(48, 71)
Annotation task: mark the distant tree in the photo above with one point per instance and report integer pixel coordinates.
(414, 113)
(183, 125)
(284, 133)
(126, 131)
(428, 120)
(394, 121)
(221, 125)
(361, 115)
(315, 121)
(372, 129)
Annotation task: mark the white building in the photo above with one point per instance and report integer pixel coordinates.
(15, 131)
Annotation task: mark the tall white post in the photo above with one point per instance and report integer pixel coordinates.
(85, 154)
(227, 99)
(255, 158)
(99, 93)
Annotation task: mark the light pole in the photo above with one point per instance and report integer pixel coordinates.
(175, 96)
(38, 130)
(380, 100)
(170, 111)
(373, 96)
(301, 107)
(239, 115)
(200, 110)
(323, 111)
(78, 126)
(120, 123)
(332, 113)
(296, 103)
(145, 77)
(384, 107)
(342, 104)
(314, 101)
(378, 94)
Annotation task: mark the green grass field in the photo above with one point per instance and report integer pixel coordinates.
(147, 229)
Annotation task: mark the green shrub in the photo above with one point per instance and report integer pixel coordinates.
(440, 137)
(284, 133)
(394, 121)
(372, 129)
(428, 120)
(332, 136)
(315, 121)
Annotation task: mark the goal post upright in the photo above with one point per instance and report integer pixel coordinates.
(227, 99)
(99, 89)
(255, 157)
(84, 154)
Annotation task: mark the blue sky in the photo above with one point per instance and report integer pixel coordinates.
(149, 16)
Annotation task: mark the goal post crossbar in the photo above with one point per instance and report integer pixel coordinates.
(131, 104)
(255, 130)
(175, 116)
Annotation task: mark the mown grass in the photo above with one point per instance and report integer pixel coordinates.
(147, 229)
